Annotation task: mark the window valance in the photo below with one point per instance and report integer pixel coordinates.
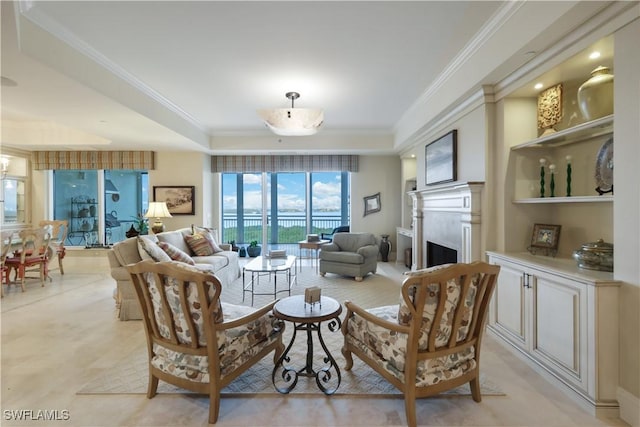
(65, 160)
(283, 163)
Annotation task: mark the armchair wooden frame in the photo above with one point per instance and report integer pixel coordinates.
(210, 330)
(416, 289)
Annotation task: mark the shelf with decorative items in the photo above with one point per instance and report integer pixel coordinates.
(83, 225)
(578, 133)
(574, 165)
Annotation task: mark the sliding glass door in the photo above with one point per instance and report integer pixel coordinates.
(282, 208)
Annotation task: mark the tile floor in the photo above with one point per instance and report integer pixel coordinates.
(55, 339)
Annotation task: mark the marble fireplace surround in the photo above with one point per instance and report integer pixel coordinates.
(449, 215)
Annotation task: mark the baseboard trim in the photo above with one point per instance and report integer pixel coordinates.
(629, 407)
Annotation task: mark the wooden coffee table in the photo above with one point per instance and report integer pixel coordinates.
(309, 318)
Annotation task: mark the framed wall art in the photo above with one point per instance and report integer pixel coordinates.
(544, 239)
(372, 204)
(440, 159)
(180, 199)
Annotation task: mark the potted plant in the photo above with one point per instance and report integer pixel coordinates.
(253, 250)
(141, 224)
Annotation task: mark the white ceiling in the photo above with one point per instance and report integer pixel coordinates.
(191, 75)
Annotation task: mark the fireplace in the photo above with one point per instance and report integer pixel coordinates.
(438, 254)
(450, 216)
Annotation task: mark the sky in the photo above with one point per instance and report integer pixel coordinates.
(291, 191)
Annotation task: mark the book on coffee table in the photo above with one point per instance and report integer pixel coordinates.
(277, 253)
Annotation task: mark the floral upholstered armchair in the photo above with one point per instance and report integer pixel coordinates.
(195, 341)
(430, 342)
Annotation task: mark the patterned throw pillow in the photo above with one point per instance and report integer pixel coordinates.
(176, 254)
(202, 244)
(149, 250)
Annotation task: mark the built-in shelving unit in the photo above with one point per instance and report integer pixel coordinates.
(592, 129)
(551, 312)
(576, 199)
(582, 142)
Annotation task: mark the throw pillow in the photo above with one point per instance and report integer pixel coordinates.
(202, 244)
(213, 241)
(176, 254)
(149, 250)
(195, 229)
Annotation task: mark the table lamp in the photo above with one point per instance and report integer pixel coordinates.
(157, 210)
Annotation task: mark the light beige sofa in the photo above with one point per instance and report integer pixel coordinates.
(224, 265)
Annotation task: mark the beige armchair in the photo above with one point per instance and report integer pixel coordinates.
(431, 341)
(350, 254)
(194, 341)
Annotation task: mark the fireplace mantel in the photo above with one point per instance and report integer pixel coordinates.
(449, 215)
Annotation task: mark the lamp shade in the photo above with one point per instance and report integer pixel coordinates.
(292, 121)
(157, 210)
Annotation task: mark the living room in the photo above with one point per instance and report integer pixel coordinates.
(489, 122)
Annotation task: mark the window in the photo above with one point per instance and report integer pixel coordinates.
(13, 196)
(99, 205)
(282, 207)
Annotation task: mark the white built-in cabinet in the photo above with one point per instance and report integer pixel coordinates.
(563, 320)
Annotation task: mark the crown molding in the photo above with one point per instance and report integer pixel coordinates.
(482, 96)
(488, 30)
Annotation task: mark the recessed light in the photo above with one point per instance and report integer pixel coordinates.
(413, 156)
(594, 55)
(538, 86)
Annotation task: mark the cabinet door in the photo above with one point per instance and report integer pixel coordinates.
(559, 326)
(509, 313)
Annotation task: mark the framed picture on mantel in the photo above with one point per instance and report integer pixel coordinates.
(440, 159)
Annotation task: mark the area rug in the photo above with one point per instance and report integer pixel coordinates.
(130, 374)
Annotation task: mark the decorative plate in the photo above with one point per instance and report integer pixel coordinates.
(604, 168)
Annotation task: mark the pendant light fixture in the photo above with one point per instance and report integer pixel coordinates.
(292, 121)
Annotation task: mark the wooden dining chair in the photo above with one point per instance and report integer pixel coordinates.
(59, 229)
(32, 254)
(5, 247)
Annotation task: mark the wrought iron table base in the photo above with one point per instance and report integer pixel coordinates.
(323, 375)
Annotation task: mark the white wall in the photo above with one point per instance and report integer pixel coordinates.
(377, 174)
(471, 147)
(185, 168)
